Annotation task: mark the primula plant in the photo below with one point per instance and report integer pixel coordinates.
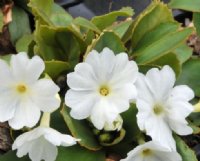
(79, 89)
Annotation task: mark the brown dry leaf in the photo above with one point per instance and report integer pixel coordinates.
(7, 13)
(113, 157)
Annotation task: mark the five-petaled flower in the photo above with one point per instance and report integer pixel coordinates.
(101, 87)
(22, 95)
(162, 108)
(152, 151)
(41, 143)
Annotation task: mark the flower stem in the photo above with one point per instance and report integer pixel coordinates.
(45, 120)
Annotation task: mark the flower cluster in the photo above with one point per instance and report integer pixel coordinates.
(100, 89)
(22, 98)
(105, 84)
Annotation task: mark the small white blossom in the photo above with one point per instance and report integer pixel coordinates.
(162, 108)
(152, 151)
(101, 87)
(41, 143)
(115, 125)
(22, 95)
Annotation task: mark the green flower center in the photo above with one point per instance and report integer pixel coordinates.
(104, 91)
(158, 109)
(21, 88)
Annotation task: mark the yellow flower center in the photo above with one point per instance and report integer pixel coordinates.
(104, 91)
(158, 109)
(21, 88)
(146, 152)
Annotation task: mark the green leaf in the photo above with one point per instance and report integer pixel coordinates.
(20, 25)
(11, 156)
(106, 20)
(183, 52)
(196, 20)
(186, 153)
(165, 45)
(149, 19)
(190, 5)
(121, 28)
(80, 130)
(77, 153)
(22, 45)
(169, 59)
(190, 75)
(55, 68)
(59, 17)
(6, 58)
(196, 129)
(57, 44)
(130, 124)
(107, 39)
(82, 22)
(1, 21)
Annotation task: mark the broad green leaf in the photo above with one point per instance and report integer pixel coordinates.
(130, 124)
(156, 34)
(11, 156)
(107, 39)
(121, 28)
(183, 52)
(22, 45)
(1, 21)
(186, 153)
(77, 153)
(196, 20)
(52, 14)
(107, 20)
(55, 68)
(169, 59)
(150, 18)
(190, 5)
(82, 22)
(190, 75)
(165, 45)
(59, 17)
(80, 130)
(57, 44)
(194, 118)
(19, 25)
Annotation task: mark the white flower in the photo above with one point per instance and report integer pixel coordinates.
(163, 108)
(22, 95)
(152, 151)
(101, 87)
(41, 142)
(115, 125)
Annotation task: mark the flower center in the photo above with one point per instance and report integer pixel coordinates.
(104, 91)
(21, 88)
(146, 152)
(158, 109)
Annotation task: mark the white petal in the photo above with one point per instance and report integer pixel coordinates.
(80, 102)
(26, 69)
(103, 112)
(83, 78)
(23, 150)
(42, 150)
(7, 105)
(143, 90)
(26, 114)
(182, 92)
(160, 82)
(58, 139)
(159, 130)
(44, 95)
(124, 71)
(5, 73)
